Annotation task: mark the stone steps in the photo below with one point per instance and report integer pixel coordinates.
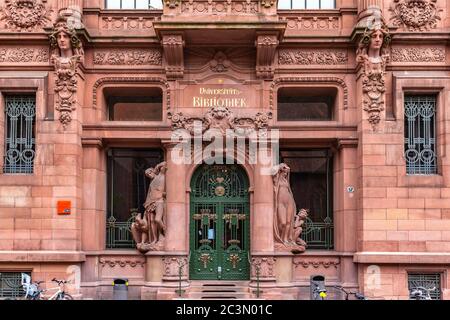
(219, 290)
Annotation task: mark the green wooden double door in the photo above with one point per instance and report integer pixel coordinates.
(219, 223)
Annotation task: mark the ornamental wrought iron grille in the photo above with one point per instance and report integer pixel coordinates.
(11, 285)
(420, 134)
(219, 223)
(426, 282)
(311, 182)
(127, 191)
(20, 116)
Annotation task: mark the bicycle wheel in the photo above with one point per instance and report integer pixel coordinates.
(64, 296)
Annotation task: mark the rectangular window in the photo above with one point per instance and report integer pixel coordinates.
(20, 123)
(134, 104)
(425, 285)
(133, 4)
(305, 104)
(127, 191)
(11, 285)
(306, 4)
(420, 134)
(311, 183)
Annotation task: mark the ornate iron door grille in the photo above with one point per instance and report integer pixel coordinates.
(427, 281)
(219, 225)
(11, 285)
(420, 134)
(20, 112)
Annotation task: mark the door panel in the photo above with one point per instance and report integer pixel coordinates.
(219, 239)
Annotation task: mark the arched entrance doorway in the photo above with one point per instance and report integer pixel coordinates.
(219, 223)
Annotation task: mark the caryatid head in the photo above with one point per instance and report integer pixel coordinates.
(64, 40)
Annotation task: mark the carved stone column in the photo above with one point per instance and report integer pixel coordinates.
(262, 222)
(177, 225)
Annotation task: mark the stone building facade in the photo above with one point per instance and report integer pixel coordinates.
(358, 91)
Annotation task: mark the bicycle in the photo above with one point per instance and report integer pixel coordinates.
(33, 290)
(357, 295)
(420, 293)
(319, 292)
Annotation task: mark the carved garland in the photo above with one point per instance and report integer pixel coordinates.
(296, 80)
(172, 266)
(24, 15)
(263, 266)
(317, 263)
(146, 80)
(415, 15)
(121, 262)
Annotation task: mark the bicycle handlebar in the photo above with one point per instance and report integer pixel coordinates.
(59, 281)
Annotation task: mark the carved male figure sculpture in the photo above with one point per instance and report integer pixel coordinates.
(155, 205)
(299, 220)
(285, 210)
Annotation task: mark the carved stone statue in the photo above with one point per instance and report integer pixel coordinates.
(373, 55)
(139, 230)
(299, 220)
(285, 211)
(155, 205)
(66, 56)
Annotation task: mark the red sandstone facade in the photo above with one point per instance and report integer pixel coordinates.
(387, 223)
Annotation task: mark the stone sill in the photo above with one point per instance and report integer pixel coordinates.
(402, 257)
(42, 256)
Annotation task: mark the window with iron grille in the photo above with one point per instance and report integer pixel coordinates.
(311, 180)
(11, 285)
(127, 192)
(133, 4)
(306, 4)
(420, 134)
(20, 122)
(426, 282)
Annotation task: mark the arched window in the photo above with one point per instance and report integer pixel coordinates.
(306, 4)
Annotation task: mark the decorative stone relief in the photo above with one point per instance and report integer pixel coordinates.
(128, 57)
(173, 52)
(316, 263)
(315, 23)
(149, 229)
(24, 15)
(372, 56)
(219, 63)
(415, 15)
(67, 55)
(287, 223)
(413, 54)
(113, 262)
(127, 23)
(266, 46)
(23, 55)
(220, 7)
(221, 118)
(262, 267)
(309, 57)
(172, 266)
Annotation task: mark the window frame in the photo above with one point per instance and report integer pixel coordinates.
(435, 131)
(121, 6)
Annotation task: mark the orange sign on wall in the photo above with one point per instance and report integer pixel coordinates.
(64, 207)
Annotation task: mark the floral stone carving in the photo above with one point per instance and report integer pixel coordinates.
(415, 15)
(221, 118)
(373, 55)
(66, 56)
(24, 15)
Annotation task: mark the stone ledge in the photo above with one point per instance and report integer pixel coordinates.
(42, 256)
(402, 257)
